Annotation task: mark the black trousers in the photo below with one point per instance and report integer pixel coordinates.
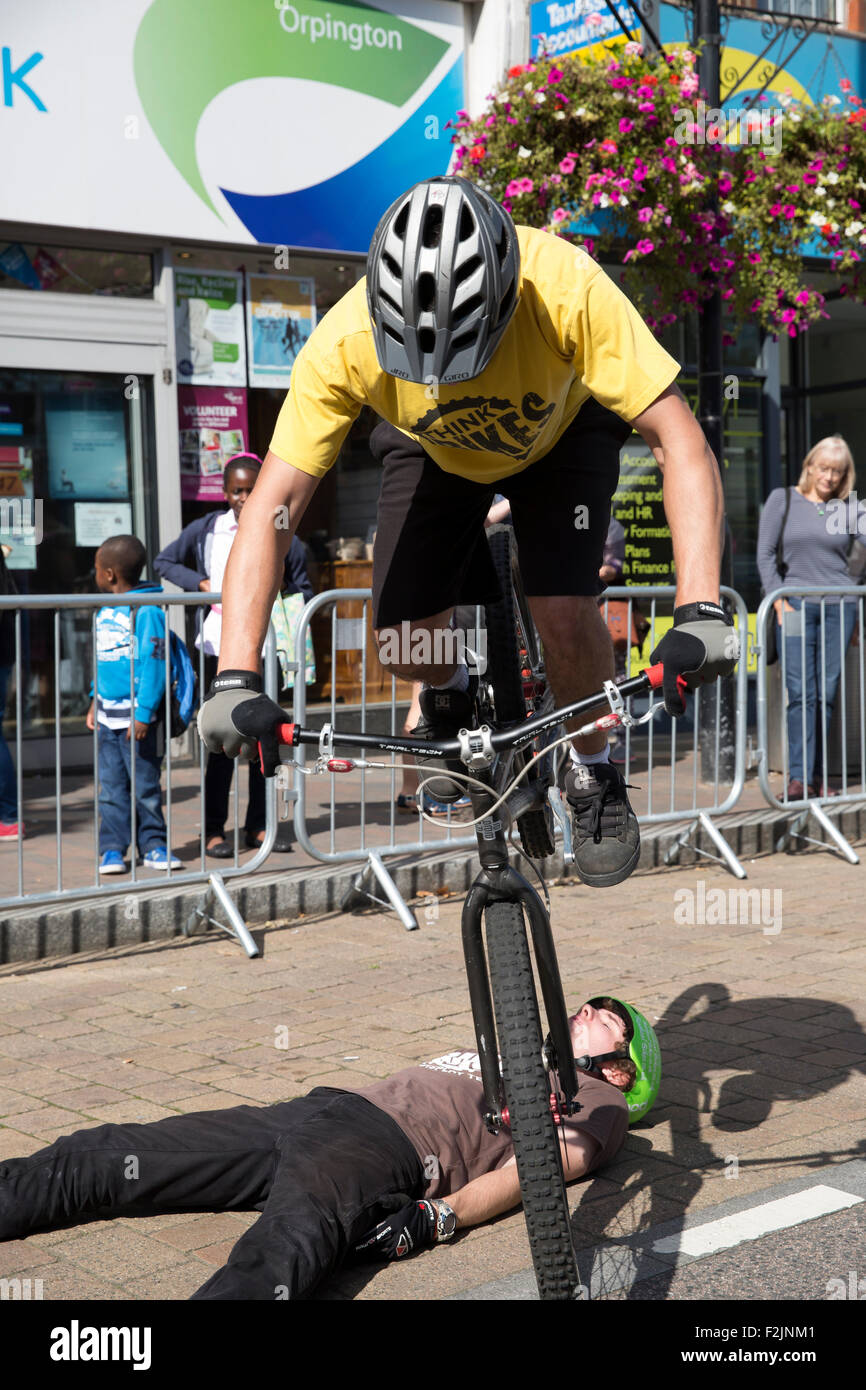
(321, 1170)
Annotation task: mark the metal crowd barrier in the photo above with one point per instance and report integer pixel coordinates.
(689, 800)
(832, 621)
(132, 885)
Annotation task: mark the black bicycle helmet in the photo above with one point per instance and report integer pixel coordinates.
(443, 273)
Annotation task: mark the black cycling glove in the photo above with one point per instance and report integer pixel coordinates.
(411, 1228)
(235, 718)
(701, 646)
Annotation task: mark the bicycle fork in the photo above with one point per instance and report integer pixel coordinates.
(498, 881)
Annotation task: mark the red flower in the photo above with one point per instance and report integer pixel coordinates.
(517, 70)
(477, 152)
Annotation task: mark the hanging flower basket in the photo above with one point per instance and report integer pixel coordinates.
(619, 156)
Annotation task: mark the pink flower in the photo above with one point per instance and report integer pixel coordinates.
(512, 189)
(669, 164)
(792, 188)
(645, 106)
(802, 297)
(844, 85)
(689, 85)
(817, 165)
(556, 178)
(566, 166)
(625, 126)
(559, 215)
(725, 184)
(554, 76)
(788, 315)
(644, 247)
(755, 306)
(491, 120)
(645, 215)
(593, 21)
(525, 185)
(775, 209)
(755, 257)
(810, 179)
(789, 210)
(607, 146)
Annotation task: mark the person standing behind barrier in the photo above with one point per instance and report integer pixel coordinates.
(197, 561)
(118, 565)
(813, 551)
(10, 828)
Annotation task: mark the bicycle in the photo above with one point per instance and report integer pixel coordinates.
(522, 1069)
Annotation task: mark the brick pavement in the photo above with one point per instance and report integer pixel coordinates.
(762, 1039)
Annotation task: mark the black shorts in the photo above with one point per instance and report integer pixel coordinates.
(430, 551)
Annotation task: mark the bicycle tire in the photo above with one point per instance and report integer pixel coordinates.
(505, 674)
(527, 1094)
(503, 657)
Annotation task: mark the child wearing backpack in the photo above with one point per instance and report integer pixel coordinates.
(118, 566)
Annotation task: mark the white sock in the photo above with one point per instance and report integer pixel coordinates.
(587, 759)
(459, 681)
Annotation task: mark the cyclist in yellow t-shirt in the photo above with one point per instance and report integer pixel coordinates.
(499, 358)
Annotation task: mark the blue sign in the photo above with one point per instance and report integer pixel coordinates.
(564, 27)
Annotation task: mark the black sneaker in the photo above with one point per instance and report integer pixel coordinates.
(606, 833)
(443, 714)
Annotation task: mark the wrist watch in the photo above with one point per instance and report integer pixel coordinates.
(446, 1220)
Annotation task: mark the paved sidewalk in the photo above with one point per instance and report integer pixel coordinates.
(761, 1030)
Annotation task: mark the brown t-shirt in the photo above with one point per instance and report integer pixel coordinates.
(440, 1106)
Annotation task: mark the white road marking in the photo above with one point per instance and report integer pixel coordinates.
(757, 1221)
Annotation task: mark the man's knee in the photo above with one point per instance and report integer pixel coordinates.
(564, 619)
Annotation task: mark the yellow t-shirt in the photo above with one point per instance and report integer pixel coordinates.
(574, 334)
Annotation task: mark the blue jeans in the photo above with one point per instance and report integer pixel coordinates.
(8, 787)
(806, 687)
(115, 808)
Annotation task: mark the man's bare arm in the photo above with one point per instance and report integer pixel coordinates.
(694, 502)
(499, 1191)
(268, 521)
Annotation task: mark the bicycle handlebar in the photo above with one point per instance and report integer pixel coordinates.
(650, 679)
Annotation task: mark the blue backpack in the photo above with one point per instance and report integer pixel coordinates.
(184, 686)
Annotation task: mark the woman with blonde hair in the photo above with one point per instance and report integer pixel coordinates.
(804, 540)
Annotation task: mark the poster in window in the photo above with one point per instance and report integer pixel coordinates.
(86, 439)
(281, 315)
(209, 328)
(213, 426)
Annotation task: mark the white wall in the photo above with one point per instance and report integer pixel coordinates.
(499, 31)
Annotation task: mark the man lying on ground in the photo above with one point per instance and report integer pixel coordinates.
(379, 1171)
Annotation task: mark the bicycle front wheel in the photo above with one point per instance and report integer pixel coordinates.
(527, 1094)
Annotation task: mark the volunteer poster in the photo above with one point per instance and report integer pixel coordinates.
(281, 315)
(213, 426)
(209, 328)
(20, 516)
(86, 441)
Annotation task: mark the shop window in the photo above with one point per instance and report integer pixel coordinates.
(77, 465)
(73, 270)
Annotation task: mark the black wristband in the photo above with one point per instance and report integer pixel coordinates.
(694, 612)
(237, 680)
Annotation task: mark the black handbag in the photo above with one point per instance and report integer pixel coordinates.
(773, 624)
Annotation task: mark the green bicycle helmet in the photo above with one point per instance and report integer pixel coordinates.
(644, 1051)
